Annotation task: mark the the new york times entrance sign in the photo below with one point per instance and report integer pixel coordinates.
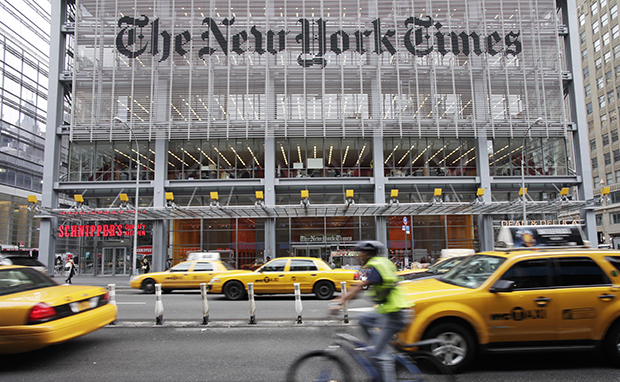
(423, 36)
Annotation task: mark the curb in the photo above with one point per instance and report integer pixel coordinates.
(228, 324)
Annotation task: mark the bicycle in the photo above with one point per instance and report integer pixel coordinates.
(328, 366)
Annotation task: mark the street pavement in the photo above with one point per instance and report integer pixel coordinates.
(122, 282)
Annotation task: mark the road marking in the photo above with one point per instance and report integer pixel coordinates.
(131, 303)
(366, 309)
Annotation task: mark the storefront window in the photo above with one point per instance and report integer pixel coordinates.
(321, 157)
(429, 157)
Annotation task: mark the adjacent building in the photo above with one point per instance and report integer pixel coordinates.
(271, 128)
(24, 62)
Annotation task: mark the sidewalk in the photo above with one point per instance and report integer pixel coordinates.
(122, 282)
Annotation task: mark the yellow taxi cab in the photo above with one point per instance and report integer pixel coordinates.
(185, 275)
(545, 290)
(279, 276)
(36, 312)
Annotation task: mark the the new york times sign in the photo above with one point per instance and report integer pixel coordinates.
(423, 36)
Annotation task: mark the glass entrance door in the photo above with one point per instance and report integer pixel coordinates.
(318, 251)
(114, 262)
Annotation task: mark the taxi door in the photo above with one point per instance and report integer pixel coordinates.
(270, 278)
(585, 295)
(175, 278)
(530, 312)
(201, 273)
(302, 271)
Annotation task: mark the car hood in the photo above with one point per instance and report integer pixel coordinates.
(417, 290)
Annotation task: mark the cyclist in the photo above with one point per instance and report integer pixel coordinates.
(389, 317)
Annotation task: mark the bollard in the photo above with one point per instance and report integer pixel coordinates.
(159, 306)
(345, 306)
(252, 303)
(205, 304)
(112, 298)
(298, 307)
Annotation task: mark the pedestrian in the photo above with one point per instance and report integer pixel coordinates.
(71, 271)
(381, 324)
(146, 266)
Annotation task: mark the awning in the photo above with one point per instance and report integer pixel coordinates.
(315, 210)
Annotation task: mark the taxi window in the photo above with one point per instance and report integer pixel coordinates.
(472, 272)
(579, 271)
(203, 267)
(274, 266)
(529, 274)
(183, 267)
(614, 260)
(23, 279)
(303, 265)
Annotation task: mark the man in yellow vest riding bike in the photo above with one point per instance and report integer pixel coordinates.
(389, 317)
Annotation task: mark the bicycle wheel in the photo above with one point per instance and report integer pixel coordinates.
(318, 366)
(426, 367)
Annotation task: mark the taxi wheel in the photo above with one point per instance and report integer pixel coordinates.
(324, 290)
(233, 290)
(458, 348)
(612, 345)
(148, 286)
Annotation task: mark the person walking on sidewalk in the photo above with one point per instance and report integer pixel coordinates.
(146, 266)
(71, 271)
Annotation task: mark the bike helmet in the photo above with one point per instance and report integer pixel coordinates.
(370, 246)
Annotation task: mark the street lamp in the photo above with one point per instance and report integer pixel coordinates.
(135, 222)
(523, 191)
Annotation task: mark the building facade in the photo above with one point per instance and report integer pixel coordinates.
(278, 127)
(24, 59)
(599, 40)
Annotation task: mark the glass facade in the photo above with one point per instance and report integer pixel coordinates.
(24, 65)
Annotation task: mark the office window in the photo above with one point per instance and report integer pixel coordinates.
(615, 218)
(604, 126)
(584, 54)
(613, 12)
(607, 57)
(616, 155)
(611, 95)
(604, 20)
(599, 83)
(596, 180)
(582, 18)
(601, 102)
(594, 163)
(610, 178)
(598, 63)
(591, 125)
(607, 157)
(583, 36)
(586, 72)
(614, 135)
(589, 107)
(617, 51)
(593, 144)
(595, 27)
(615, 31)
(609, 78)
(594, 9)
(597, 45)
(606, 39)
(603, 4)
(605, 139)
(588, 90)
(599, 220)
(618, 174)
(617, 70)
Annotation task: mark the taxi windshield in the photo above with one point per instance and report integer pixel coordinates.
(471, 273)
(444, 266)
